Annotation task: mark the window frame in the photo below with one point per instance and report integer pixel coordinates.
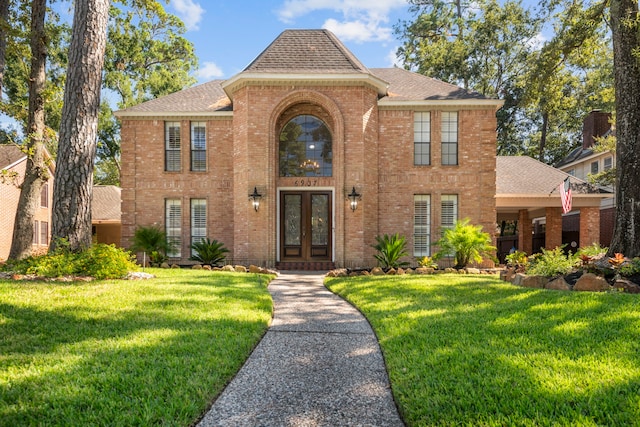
(35, 240)
(44, 195)
(422, 138)
(594, 167)
(198, 233)
(198, 151)
(44, 233)
(449, 138)
(173, 226)
(421, 225)
(605, 161)
(454, 214)
(172, 147)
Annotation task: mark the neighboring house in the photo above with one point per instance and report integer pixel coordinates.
(528, 194)
(105, 214)
(583, 161)
(333, 153)
(14, 162)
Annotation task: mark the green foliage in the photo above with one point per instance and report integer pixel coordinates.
(153, 241)
(467, 242)
(517, 259)
(552, 262)
(630, 268)
(427, 262)
(209, 252)
(390, 248)
(593, 250)
(99, 261)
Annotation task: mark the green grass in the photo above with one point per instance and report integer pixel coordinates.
(124, 353)
(474, 351)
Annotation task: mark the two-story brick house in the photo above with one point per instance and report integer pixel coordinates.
(335, 154)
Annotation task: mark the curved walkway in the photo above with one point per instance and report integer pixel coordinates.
(319, 364)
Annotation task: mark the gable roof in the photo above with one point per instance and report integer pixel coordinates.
(10, 154)
(105, 204)
(523, 175)
(317, 51)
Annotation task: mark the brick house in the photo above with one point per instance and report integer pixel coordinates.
(13, 162)
(334, 153)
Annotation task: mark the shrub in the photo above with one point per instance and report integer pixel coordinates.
(467, 242)
(551, 262)
(631, 268)
(517, 260)
(390, 249)
(210, 252)
(593, 250)
(427, 262)
(153, 241)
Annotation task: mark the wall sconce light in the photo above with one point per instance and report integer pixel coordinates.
(354, 196)
(255, 198)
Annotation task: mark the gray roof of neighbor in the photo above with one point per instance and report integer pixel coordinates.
(525, 175)
(105, 205)
(9, 154)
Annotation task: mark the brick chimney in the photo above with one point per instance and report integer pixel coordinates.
(595, 125)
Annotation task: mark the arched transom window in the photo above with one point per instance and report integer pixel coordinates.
(305, 147)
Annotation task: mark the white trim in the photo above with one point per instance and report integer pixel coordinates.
(333, 216)
(583, 160)
(169, 114)
(14, 164)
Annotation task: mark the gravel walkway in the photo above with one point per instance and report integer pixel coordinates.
(319, 364)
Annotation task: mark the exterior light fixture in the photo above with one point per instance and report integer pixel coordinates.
(255, 198)
(354, 196)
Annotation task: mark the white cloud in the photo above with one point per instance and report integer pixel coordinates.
(362, 20)
(190, 12)
(537, 41)
(208, 71)
(393, 59)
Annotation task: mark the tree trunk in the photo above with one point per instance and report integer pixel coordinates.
(626, 41)
(4, 27)
(73, 187)
(36, 172)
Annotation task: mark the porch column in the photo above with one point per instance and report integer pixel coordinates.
(589, 226)
(525, 232)
(553, 234)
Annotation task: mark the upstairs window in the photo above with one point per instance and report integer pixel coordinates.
(198, 147)
(608, 163)
(305, 148)
(449, 138)
(421, 138)
(44, 196)
(172, 146)
(595, 167)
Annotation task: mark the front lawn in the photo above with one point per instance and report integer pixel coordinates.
(119, 352)
(471, 350)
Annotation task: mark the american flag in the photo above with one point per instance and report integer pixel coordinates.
(565, 195)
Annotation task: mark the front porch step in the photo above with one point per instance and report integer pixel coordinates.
(306, 266)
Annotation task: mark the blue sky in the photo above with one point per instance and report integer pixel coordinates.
(228, 35)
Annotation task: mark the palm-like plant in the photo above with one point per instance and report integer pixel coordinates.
(153, 241)
(209, 252)
(390, 249)
(467, 241)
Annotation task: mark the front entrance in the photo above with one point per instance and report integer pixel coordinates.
(305, 226)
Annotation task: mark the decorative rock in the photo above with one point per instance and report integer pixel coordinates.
(138, 275)
(424, 270)
(228, 268)
(558, 284)
(536, 282)
(366, 273)
(164, 265)
(197, 267)
(354, 274)
(377, 271)
(391, 272)
(591, 282)
(471, 270)
(240, 269)
(461, 271)
(518, 278)
(450, 270)
(206, 267)
(410, 271)
(216, 269)
(254, 269)
(627, 286)
(342, 272)
(175, 266)
(400, 271)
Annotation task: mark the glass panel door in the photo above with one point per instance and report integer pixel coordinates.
(305, 226)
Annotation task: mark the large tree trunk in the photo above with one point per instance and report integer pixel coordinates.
(4, 28)
(36, 170)
(626, 41)
(73, 187)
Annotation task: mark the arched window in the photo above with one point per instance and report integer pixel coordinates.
(305, 148)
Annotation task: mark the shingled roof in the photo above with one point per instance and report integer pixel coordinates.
(519, 175)
(10, 154)
(316, 51)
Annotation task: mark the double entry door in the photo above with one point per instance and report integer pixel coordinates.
(305, 226)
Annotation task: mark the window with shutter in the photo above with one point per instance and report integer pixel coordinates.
(172, 146)
(173, 229)
(198, 221)
(421, 225)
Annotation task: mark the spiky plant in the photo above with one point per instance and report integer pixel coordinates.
(209, 251)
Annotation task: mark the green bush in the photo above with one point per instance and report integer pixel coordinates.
(427, 262)
(153, 241)
(100, 261)
(552, 262)
(467, 242)
(390, 249)
(631, 268)
(517, 260)
(593, 250)
(209, 252)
